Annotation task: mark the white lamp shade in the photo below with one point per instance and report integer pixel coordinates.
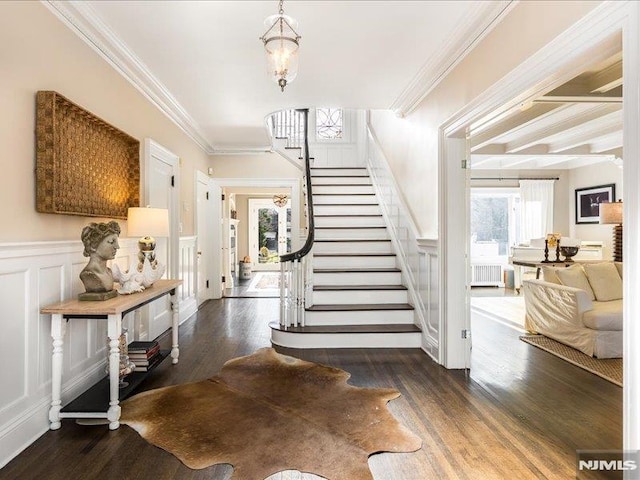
(146, 221)
(611, 213)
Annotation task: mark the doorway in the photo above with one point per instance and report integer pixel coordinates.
(269, 233)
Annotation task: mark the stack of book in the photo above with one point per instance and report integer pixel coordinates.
(145, 355)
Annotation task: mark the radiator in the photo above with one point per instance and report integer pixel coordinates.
(485, 275)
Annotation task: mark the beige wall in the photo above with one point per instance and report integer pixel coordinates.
(411, 143)
(262, 165)
(37, 52)
(591, 176)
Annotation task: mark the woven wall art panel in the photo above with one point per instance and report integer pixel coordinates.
(84, 166)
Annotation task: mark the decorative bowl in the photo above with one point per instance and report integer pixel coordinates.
(568, 252)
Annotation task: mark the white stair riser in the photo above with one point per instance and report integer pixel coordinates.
(331, 180)
(338, 172)
(352, 247)
(354, 262)
(351, 233)
(359, 317)
(357, 278)
(346, 209)
(342, 189)
(345, 200)
(374, 221)
(346, 340)
(351, 297)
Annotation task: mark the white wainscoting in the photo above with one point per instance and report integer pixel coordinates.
(187, 293)
(418, 258)
(36, 274)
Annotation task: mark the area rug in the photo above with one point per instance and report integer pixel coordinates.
(265, 281)
(266, 413)
(607, 368)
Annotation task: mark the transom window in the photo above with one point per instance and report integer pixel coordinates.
(329, 123)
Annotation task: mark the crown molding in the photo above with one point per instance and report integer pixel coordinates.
(82, 19)
(480, 20)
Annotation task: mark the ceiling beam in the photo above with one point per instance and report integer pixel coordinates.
(609, 114)
(607, 79)
(611, 96)
(584, 136)
(513, 123)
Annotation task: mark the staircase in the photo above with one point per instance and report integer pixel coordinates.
(358, 300)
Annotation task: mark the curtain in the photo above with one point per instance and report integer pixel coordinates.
(536, 209)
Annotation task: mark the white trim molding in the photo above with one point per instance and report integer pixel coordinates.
(562, 59)
(480, 20)
(82, 19)
(418, 259)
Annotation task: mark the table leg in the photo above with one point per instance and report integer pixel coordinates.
(175, 317)
(114, 330)
(58, 328)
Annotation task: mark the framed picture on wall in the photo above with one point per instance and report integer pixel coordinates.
(588, 202)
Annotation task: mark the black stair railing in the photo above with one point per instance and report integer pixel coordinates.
(296, 268)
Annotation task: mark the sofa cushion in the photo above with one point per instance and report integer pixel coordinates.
(604, 280)
(604, 316)
(575, 277)
(549, 274)
(619, 267)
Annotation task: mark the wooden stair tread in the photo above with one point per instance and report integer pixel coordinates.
(356, 270)
(333, 288)
(338, 254)
(341, 176)
(343, 184)
(346, 194)
(349, 215)
(355, 227)
(373, 328)
(344, 204)
(353, 240)
(356, 307)
(338, 168)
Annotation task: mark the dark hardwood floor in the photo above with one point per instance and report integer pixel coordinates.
(519, 413)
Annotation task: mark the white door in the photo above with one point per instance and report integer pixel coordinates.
(269, 233)
(204, 238)
(161, 186)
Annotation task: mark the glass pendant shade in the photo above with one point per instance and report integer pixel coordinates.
(281, 43)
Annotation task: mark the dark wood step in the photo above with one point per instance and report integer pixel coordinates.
(355, 227)
(359, 307)
(357, 270)
(350, 215)
(338, 168)
(339, 254)
(292, 148)
(344, 204)
(373, 328)
(352, 240)
(342, 185)
(341, 288)
(340, 176)
(344, 194)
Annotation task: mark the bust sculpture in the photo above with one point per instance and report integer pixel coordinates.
(100, 244)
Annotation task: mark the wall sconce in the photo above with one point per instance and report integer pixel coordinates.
(611, 214)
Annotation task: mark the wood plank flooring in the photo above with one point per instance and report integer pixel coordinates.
(519, 413)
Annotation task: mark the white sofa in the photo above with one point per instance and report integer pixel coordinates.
(580, 307)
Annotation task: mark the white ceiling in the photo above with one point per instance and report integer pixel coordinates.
(203, 64)
(576, 124)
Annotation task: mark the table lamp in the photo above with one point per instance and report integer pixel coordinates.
(611, 214)
(147, 223)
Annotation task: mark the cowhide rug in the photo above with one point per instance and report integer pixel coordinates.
(266, 413)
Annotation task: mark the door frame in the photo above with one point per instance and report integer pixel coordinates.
(217, 184)
(154, 149)
(557, 62)
(252, 223)
(205, 239)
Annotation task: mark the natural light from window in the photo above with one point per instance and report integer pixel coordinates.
(329, 123)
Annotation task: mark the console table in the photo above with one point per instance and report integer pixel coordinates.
(112, 310)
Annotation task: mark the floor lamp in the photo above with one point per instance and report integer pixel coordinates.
(611, 214)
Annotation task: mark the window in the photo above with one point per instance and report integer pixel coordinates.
(329, 123)
(494, 222)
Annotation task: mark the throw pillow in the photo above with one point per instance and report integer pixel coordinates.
(574, 276)
(619, 267)
(605, 281)
(549, 274)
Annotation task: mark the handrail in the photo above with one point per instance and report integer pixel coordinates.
(308, 244)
